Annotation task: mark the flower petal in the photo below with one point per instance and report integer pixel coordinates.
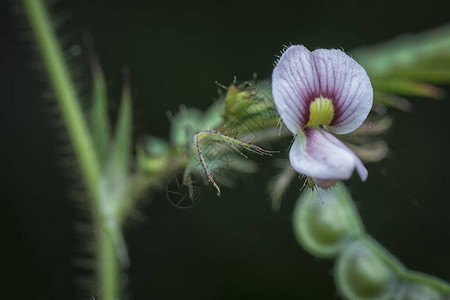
(322, 156)
(294, 85)
(347, 84)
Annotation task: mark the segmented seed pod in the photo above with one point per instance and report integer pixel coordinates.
(326, 220)
(365, 270)
(418, 285)
(418, 291)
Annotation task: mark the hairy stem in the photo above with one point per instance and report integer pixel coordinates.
(80, 137)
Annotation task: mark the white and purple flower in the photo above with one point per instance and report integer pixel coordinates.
(316, 92)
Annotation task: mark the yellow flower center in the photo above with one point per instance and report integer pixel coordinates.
(321, 112)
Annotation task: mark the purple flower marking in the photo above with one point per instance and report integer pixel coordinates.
(316, 92)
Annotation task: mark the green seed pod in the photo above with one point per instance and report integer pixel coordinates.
(418, 291)
(364, 270)
(325, 221)
(418, 285)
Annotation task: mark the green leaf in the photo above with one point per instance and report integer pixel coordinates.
(392, 100)
(100, 126)
(406, 87)
(407, 64)
(405, 51)
(122, 145)
(114, 189)
(425, 73)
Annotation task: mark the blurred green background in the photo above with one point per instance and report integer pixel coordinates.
(228, 247)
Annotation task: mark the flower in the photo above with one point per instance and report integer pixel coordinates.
(316, 93)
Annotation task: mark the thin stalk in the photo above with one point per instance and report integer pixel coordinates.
(107, 265)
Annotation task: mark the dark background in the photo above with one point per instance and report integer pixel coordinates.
(228, 247)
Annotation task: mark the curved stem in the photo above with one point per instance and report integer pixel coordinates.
(107, 266)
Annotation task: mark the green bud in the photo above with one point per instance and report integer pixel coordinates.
(249, 109)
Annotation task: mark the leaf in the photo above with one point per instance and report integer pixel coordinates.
(407, 65)
(392, 100)
(100, 126)
(405, 51)
(426, 74)
(409, 88)
(114, 190)
(122, 145)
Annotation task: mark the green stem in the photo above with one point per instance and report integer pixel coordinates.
(107, 266)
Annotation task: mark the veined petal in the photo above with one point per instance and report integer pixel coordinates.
(347, 84)
(322, 156)
(295, 84)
